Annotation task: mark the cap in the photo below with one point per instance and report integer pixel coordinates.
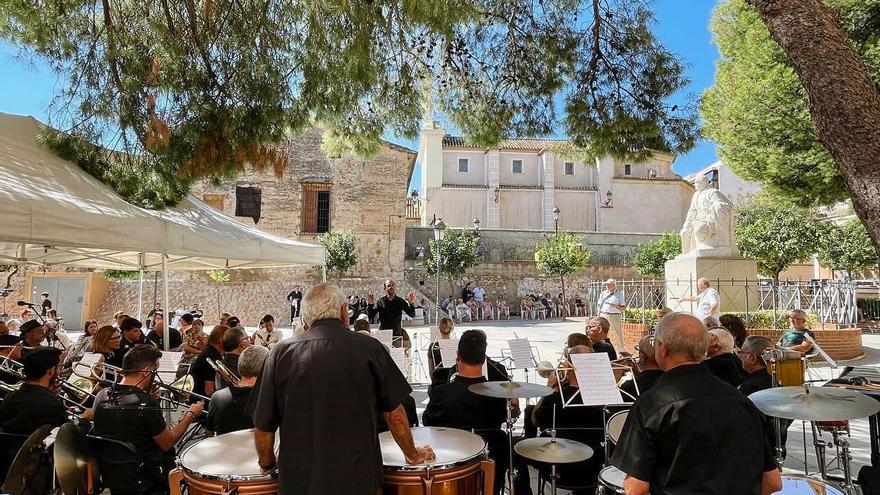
(363, 316)
(611, 281)
(44, 293)
(28, 326)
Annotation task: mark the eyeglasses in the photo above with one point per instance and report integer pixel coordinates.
(594, 326)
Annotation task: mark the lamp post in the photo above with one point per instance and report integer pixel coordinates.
(438, 236)
(556, 219)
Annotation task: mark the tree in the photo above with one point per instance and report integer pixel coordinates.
(340, 251)
(651, 257)
(201, 88)
(775, 234)
(847, 247)
(757, 110)
(458, 254)
(561, 254)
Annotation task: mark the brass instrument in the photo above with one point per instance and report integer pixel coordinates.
(225, 373)
(180, 390)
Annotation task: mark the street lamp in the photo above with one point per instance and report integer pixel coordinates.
(439, 226)
(556, 218)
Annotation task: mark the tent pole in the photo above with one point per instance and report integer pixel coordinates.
(140, 309)
(165, 303)
(324, 273)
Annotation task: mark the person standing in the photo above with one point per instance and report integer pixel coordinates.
(295, 298)
(708, 300)
(45, 304)
(611, 306)
(323, 390)
(691, 432)
(479, 297)
(390, 309)
(467, 294)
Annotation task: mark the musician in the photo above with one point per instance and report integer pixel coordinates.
(756, 376)
(266, 336)
(722, 362)
(677, 437)
(32, 333)
(579, 423)
(444, 326)
(795, 338)
(390, 309)
(131, 336)
(226, 411)
(106, 342)
(453, 405)
(158, 333)
(597, 331)
(129, 412)
(203, 373)
(36, 403)
(649, 370)
(235, 341)
(322, 390)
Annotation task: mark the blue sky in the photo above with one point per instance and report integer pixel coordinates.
(682, 25)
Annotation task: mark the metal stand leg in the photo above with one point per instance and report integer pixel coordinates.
(553, 479)
(510, 444)
(820, 446)
(843, 443)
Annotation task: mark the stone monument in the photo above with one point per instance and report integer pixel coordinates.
(708, 250)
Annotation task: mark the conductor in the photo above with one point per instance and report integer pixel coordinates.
(322, 390)
(390, 309)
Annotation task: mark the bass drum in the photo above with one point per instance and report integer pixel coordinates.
(461, 465)
(222, 464)
(793, 484)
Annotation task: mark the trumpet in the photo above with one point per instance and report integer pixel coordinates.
(226, 374)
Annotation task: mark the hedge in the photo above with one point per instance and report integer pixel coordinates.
(753, 319)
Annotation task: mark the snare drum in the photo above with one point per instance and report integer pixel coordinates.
(612, 479)
(221, 464)
(461, 465)
(794, 484)
(789, 372)
(615, 425)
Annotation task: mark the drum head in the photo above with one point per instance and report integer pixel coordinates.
(611, 477)
(615, 425)
(452, 447)
(232, 457)
(793, 484)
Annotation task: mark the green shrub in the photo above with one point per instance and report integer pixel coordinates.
(764, 318)
(115, 275)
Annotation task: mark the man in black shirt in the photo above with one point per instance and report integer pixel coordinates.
(32, 334)
(597, 331)
(157, 336)
(755, 367)
(128, 413)
(693, 433)
(453, 405)
(45, 304)
(131, 336)
(467, 294)
(390, 309)
(203, 373)
(227, 409)
(322, 390)
(235, 341)
(295, 299)
(722, 362)
(34, 404)
(648, 373)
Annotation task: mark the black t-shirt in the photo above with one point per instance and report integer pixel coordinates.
(645, 380)
(201, 371)
(454, 406)
(605, 346)
(46, 305)
(159, 340)
(495, 371)
(226, 411)
(231, 362)
(322, 390)
(755, 382)
(27, 409)
(125, 345)
(135, 418)
(390, 313)
(726, 366)
(467, 295)
(693, 433)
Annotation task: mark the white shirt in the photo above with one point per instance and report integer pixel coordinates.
(708, 298)
(479, 294)
(267, 339)
(606, 299)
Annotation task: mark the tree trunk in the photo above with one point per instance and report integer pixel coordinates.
(564, 300)
(844, 102)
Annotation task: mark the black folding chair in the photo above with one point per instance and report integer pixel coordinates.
(121, 467)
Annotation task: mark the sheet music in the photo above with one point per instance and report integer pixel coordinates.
(398, 354)
(168, 364)
(595, 379)
(82, 367)
(521, 353)
(384, 336)
(448, 351)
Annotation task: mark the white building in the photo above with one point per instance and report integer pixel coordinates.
(725, 180)
(517, 184)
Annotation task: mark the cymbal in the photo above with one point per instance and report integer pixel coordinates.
(814, 404)
(70, 460)
(510, 389)
(27, 461)
(558, 451)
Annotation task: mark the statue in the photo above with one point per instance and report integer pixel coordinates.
(708, 227)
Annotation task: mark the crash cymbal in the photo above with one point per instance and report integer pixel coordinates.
(558, 451)
(70, 459)
(27, 462)
(814, 403)
(510, 389)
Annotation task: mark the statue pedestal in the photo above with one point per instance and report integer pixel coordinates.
(735, 279)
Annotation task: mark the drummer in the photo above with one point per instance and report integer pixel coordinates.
(677, 437)
(322, 390)
(453, 405)
(795, 338)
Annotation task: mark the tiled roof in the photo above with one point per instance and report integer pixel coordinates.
(531, 144)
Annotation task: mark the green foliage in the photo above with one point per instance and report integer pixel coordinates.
(340, 251)
(764, 319)
(847, 247)
(651, 257)
(458, 254)
(219, 275)
(635, 315)
(201, 88)
(561, 254)
(775, 233)
(115, 275)
(758, 112)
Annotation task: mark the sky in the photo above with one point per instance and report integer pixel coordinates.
(682, 25)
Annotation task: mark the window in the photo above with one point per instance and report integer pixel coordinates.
(516, 166)
(627, 169)
(315, 208)
(463, 164)
(213, 200)
(248, 202)
(569, 168)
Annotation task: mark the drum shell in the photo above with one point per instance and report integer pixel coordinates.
(476, 477)
(789, 372)
(201, 486)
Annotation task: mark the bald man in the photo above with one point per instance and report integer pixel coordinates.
(691, 432)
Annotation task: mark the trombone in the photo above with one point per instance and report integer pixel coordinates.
(179, 391)
(226, 374)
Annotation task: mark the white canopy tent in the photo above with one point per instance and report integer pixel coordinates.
(54, 213)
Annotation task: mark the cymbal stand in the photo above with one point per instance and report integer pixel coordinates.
(606, 441)
(777, 425)
(820, 445)
(509, 423)
(843, 443)
(553, 475)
